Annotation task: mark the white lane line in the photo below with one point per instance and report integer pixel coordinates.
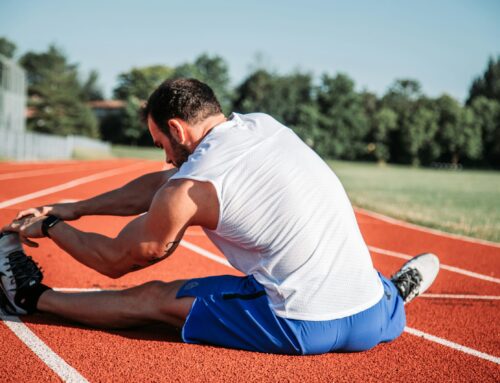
(70, 184)
(35, 344)
(44, 352)
(40, 162)
(453, 345)
(444, 267)
(205, 253)
(462, 296)
(444, 342)
(413, 226)
(41, 172)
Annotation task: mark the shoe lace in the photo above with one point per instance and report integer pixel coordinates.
(407, 282)
(24, 271)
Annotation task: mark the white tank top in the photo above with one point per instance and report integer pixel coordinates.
(285, 219)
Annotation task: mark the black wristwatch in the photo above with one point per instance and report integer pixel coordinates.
(49, 222)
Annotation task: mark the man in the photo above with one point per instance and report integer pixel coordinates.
(269, 203)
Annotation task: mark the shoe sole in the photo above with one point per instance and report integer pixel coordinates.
(5, 305)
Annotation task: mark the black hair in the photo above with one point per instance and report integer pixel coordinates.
(185, 98)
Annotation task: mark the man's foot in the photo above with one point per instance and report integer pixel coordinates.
(416, 276)
(17, 272)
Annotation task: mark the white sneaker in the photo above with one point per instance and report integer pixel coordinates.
(416, 276)
(17, 271)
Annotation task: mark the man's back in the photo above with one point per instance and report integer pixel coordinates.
(285, 219)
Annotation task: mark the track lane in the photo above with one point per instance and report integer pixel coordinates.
(195, 236)
(475, 257)
(18, 363)
(63, 271)
(20, 186)
(452, 320)
(156, 353)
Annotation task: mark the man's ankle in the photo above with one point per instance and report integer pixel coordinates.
(27, 298)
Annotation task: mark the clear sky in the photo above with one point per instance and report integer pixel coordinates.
(444, 44)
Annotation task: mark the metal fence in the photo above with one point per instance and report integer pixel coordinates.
(12, 95)
(25, 146)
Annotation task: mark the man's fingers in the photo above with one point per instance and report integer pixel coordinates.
(28, 212)
(28, 242)
(14, 226)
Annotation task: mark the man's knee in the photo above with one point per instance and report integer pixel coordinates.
(163, 302)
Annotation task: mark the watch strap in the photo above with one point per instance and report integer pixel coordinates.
(49, 222)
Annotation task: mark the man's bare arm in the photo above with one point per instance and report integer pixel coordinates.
(133, 198)
(113, 257)
(146, 240)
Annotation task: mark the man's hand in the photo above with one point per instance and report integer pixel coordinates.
(29, 227)
(65, 211)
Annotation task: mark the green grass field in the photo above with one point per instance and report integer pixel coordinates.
(137, 152)
(462, 202)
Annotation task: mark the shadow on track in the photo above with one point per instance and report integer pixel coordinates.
(155, 332)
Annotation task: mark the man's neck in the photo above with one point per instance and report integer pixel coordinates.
(205, 126)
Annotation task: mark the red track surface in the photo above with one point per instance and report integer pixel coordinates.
(157, 353)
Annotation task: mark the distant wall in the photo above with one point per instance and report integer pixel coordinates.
(25, 146)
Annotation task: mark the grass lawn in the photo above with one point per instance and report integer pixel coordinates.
(138, 152)
(462, 202)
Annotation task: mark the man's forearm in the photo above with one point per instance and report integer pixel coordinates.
(131, 199)
(91, 249)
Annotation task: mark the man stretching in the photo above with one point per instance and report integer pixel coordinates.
(268, 202)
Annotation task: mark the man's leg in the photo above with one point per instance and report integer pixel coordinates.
(148, 303)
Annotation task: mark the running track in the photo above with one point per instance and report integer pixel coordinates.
(453, 333)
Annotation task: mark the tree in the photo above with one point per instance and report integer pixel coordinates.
(487, 115)
(419, 135)
(343, 121)
(133, 130)
(384, 121)
(140, 82)
(257, 93)
(381, 120)
(308, 127)
(91, 90)
(56, 95)
(287, 98)
(459, 135)
(135, 86)
(487, 85)
(402, 98)
(7, 48)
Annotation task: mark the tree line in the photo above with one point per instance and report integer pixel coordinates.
(329, 114)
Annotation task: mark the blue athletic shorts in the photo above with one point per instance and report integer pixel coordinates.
(234, 312)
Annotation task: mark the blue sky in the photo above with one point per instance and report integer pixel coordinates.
(444, 44)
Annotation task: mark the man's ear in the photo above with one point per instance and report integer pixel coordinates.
(177, 130)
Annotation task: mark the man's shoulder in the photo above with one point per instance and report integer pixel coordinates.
(257, 116)
(185, 194)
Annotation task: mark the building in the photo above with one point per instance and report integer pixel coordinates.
(106, 108)
(12, 96)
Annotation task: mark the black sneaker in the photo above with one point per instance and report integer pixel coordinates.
(17, 271)
(416, 276)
